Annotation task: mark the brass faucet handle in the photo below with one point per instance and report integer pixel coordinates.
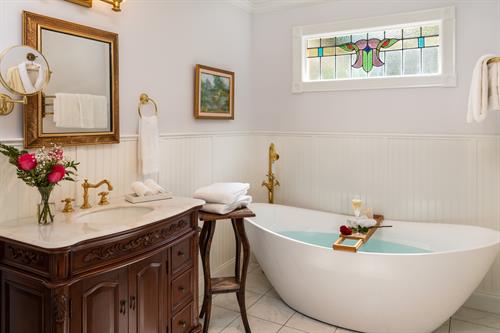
(104, 198)
(68, 205)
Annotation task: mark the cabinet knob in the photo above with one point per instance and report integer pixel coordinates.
(181, 254)
(183, 324)
(182, 289)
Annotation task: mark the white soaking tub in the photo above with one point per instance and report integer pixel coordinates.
(415, 278)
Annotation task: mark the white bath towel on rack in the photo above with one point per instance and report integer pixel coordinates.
(149, 147)
(67, 111)
(80, 111)
(482, 89)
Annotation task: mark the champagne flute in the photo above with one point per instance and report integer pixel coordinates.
(356, 205)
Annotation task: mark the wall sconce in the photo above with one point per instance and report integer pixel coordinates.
(88, 3)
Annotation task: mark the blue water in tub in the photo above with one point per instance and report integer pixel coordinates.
(325, 239)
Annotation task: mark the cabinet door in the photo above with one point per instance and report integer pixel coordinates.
(24, 304)
(147, 287)
(99, 304)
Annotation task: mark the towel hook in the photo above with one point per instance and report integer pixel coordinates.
(143, 100)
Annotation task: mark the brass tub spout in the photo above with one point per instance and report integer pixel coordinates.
(271, 182)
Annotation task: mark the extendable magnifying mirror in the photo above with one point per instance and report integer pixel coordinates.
(24, 72)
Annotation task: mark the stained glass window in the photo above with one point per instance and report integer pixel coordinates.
(393, 52)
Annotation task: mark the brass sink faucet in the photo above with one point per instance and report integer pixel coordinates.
(104, 195)
(271, 182)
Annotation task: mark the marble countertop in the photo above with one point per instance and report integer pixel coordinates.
(72, 228)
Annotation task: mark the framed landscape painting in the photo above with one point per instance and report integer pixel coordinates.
(214, 93)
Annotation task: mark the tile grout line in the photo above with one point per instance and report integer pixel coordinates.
(473, 323)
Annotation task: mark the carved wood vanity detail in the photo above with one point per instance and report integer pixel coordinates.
(139, 280)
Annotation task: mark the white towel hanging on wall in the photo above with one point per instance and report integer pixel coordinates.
(484, 95)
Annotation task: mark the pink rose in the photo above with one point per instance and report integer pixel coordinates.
(26, 162)
(57, 174)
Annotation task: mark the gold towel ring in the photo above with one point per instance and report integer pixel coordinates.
(143, 100)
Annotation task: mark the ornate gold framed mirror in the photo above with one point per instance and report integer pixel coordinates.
(80, 105)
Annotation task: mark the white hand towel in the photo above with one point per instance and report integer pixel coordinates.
(154, 186)
(222, 193)
(149, 147)
(222, 209)
(67, 110)
(478, 95)
(141, 189)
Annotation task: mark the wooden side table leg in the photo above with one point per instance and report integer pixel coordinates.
(203, 243)
(240, 227)
(237, 266)
(207, 301)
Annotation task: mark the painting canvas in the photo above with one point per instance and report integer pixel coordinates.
(214, 96)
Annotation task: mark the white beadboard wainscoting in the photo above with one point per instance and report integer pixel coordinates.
(431, 178)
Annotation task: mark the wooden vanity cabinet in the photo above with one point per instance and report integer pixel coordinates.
(141, 281)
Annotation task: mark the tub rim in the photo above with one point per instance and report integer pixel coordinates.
(487, 245)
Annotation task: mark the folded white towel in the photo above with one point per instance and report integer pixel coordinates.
(141, 189)
(243, 201)
(478, 96)
(154, 186)
(222, 193)
(363, 222)
(149, 147)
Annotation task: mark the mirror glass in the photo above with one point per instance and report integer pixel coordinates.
(78, 98)
(23, 70)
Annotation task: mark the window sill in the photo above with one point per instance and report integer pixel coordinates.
(375, 83)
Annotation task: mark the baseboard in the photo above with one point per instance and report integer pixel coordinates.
(484, 302)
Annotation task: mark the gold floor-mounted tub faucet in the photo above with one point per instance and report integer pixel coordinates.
(271, 182)
(104, 195)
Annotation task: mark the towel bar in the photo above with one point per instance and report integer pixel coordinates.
(493, 60)
(143, 100)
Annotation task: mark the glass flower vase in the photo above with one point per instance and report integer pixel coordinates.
(45, 208)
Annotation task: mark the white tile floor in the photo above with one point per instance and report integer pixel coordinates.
(269, 314)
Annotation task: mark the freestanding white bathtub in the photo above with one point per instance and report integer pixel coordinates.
(372, 292)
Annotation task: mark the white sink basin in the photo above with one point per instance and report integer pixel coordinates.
(114, 215)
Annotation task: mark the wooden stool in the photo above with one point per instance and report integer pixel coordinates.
(233, 284)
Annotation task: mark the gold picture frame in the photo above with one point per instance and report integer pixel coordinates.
(84, 3)
(214, 93)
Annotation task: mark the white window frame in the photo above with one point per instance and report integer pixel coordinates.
(445, 78)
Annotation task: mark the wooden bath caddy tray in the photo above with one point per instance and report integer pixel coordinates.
(360, 238)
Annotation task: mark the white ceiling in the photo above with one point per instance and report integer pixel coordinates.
(271, 5)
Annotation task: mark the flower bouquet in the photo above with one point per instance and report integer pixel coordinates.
(43, 169)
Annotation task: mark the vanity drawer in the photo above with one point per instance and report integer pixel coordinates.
(101, 252)
(181, 322)
(182, 254)
(182, 289)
